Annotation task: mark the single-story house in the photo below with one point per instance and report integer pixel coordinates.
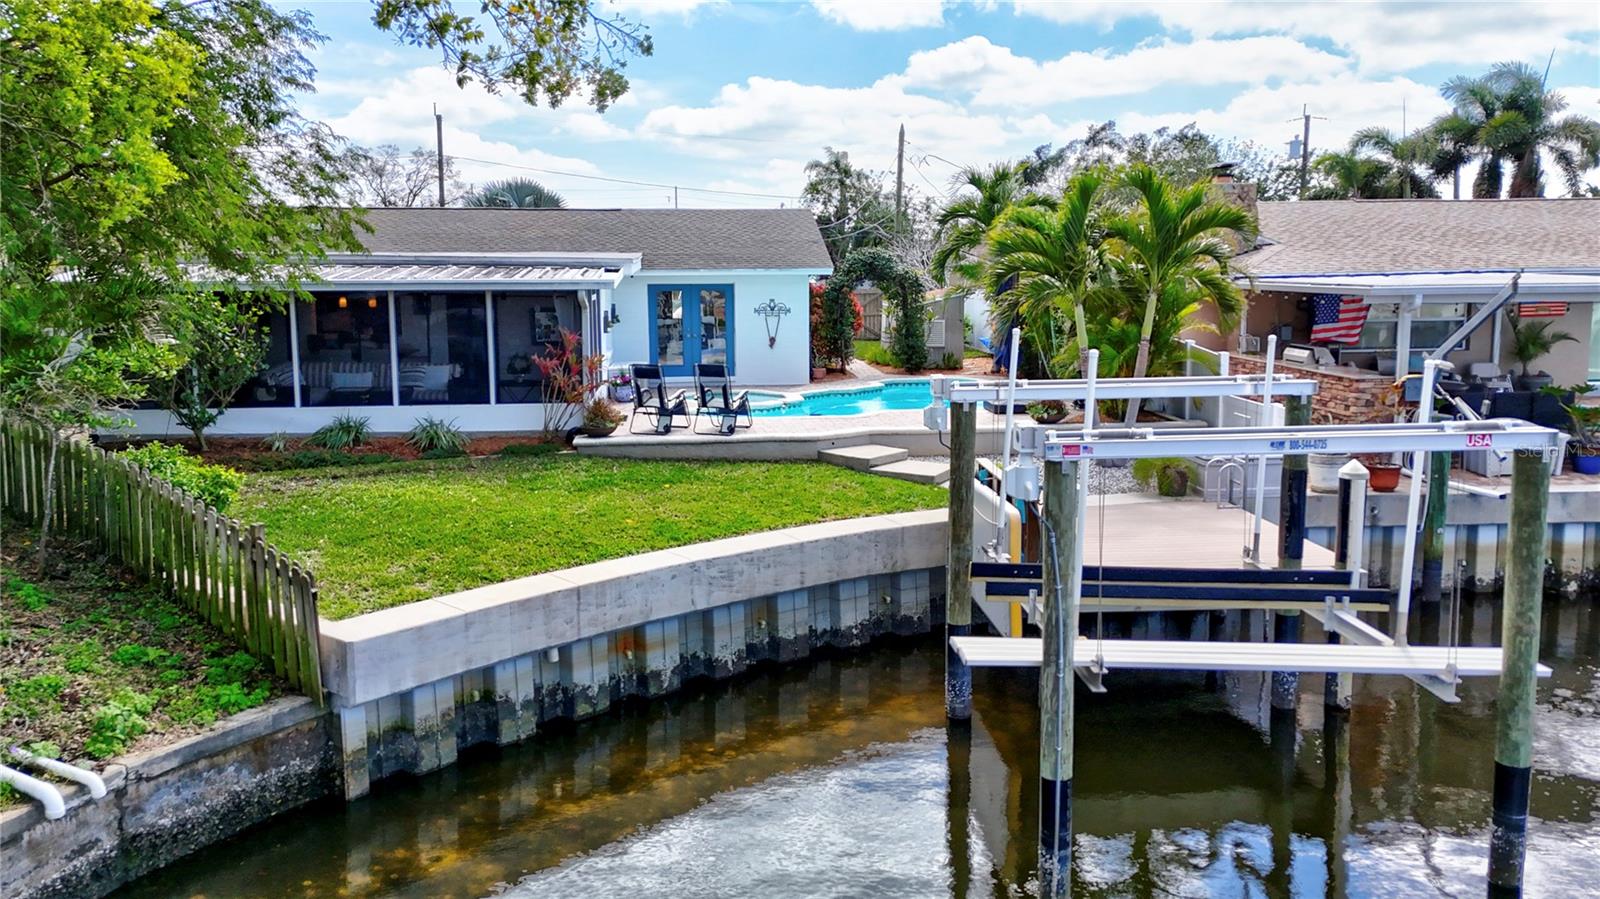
(1408, 276)
(446, 311)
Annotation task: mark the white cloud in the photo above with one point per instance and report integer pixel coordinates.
(399, 111)
(998, 77)
(882, 15)
(1383, 37)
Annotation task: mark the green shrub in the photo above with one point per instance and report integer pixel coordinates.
(231, 669)
(949, 361)
(214, 485)
(118, 723)
(81, 657)
(343, 433)
(431, 434)
(29, 595)
(33, 695)
(442, 453)
(1170, 476)
(530, 449)
(135, 654)
(277, 442)
(317, 459)
(876, 353)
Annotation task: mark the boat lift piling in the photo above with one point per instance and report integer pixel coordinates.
(1292, 486)
(1349, 545)
(1064, 510)
(1519, 640)
(958, 573)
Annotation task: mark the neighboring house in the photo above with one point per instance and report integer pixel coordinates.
(448, 308)
(1424, 272)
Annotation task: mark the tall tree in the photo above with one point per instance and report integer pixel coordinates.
(140, 136)
(1044, 265)
(547, 49)
(1409, 160)
(850, 204)
(1349, 175)
(515, 193)
(1172, 247)
(1507, 117)
(964, 223)
(384, 177)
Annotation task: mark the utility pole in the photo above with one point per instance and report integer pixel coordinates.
(438, 136)
(900, 180)
(674, 196)
(1305, 147)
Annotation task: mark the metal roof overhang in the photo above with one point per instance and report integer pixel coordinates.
(422, 271)
(1438, 287)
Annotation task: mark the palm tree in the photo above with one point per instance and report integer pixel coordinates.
(1408, 159)
(848, 202)
(964, 224)
(1051, 260)
(1350, 176)
(1507, 116)
(515, 193)
(1170, 252)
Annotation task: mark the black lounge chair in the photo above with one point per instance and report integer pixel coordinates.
(715, 398)
(651, 400)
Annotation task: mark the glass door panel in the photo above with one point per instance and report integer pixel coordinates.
(713, 325)
(670, 331)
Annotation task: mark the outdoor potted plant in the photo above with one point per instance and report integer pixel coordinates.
(1584, 423)
(1383, 475)
(1530, 341)
(622, 388)
(600, 418)
(1170, 476)
(1048, 412)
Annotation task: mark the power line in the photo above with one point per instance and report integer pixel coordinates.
(705, 190)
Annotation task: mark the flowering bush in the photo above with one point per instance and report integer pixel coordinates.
(566, 375)
(819, 340)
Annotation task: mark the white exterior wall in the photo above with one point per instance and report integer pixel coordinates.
(249, 422)
(754, 363)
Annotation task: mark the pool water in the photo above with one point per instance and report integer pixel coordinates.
(880, 397)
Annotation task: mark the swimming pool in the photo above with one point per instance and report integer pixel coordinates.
(910, 393)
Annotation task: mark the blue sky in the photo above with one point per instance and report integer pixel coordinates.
(739, 95)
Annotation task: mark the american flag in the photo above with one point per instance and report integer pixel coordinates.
(1541, 310)
(1337, 319)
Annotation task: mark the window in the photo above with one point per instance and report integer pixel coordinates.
(344, 349)
(528, 326)
(274, 385)
(1594, 343)
(443, 346)
(1429, 326)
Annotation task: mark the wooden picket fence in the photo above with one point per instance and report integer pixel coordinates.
(222, 569)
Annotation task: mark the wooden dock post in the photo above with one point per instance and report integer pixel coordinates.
(1519, 639)
(1433, 527)
(958, 579)
(1063, 590)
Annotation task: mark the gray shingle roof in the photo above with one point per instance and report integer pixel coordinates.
(1347, 236)
(667, 238)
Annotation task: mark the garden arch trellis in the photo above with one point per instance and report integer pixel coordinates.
(902, 289)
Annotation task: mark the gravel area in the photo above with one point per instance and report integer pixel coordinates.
(1107, 478)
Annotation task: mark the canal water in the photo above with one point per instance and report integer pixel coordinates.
(839, 778)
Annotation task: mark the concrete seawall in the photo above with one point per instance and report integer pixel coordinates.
(164, 804)
(1475, 533)
(413, 685)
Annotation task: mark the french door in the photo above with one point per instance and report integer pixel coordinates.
(691, 323)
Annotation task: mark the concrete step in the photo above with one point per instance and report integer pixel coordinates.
(864, 457)
(919, 471)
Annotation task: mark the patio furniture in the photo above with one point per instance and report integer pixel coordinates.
(650, 399)
(715, 397)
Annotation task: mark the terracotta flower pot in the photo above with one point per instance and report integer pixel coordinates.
(1384, 476)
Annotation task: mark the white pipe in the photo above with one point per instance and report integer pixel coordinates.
(97, 787)
(48, 796)
(1261, 463)
(1089, 423)
(1419, 473)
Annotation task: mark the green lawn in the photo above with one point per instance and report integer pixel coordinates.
(380, 539)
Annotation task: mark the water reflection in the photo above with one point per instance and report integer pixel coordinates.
(840, 778)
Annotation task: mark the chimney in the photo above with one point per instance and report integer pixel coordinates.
(1239, 193)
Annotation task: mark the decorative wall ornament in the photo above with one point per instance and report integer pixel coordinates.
(772, 312)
